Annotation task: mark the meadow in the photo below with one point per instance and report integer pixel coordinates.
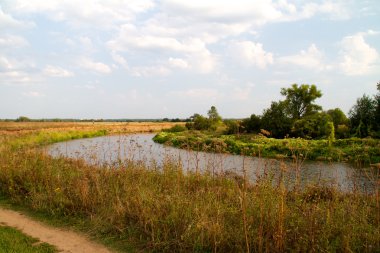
(133, 207)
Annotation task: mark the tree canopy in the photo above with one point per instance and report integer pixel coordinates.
(299, 100)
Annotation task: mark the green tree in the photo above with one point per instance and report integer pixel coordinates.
(313, 126)
(22, 119)
(213, 115)
(377, 111)
(362, 116)
(299, 100)
(338, 117)
(252, 124)
(198, 122)
(232, 126)
(276, 120)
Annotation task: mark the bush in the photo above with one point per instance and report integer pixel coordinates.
(176, 129)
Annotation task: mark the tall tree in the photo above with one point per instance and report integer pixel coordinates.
(213, 115)
(299, 100)
(377, 111)
(276, 120)
(362, 116)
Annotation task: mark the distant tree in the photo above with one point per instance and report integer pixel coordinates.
(232, 126)
(213, 115)
(201, 123)
(252, 124)
(22, 119)
(362, 116)
(299, 100)
(198, 122)
(276, 120)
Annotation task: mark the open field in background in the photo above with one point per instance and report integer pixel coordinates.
(139, 208)
(111, 127)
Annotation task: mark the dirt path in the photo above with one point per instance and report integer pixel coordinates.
(65, 241)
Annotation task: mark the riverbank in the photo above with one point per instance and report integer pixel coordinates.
(353, 150)
(139, 208)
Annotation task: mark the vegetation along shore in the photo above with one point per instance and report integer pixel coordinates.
(295, 125)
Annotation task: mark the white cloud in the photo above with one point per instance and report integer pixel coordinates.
(201, 94)
(5, 64)
(33, 94)
(241, 94)
(103, 14)
(17, 77)
(86, 43)
(99, 67)
(249, 53)
(120, 60)
(7, 40)
(194, 50)
(55, 71)
(7, 21)
(311, 58)
(358, 58)
(178, 63)
(150, 71)
(224, 11)
(336, 10)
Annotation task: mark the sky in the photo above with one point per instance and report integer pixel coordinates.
(173, 58)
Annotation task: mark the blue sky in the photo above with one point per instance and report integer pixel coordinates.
(172, 58)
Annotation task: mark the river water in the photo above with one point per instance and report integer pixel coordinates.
(118, 149)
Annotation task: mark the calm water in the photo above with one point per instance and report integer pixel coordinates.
(113, 150)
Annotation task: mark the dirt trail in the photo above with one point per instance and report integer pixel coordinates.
(65, 241)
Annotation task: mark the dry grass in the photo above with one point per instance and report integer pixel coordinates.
(111, 127)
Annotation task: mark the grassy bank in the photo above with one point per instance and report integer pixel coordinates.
(142, 208)
(360, 151)
(12, 240)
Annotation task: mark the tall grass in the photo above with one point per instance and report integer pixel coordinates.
(172, 211)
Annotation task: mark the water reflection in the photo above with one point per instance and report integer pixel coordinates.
(113, 150)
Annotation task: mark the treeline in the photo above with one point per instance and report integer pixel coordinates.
(297, 115)
(27, 119)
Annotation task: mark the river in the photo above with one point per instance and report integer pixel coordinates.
(117, 149)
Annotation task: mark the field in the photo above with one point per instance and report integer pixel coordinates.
(137, 208)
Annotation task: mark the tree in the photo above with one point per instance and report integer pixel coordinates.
(213, 115)
(22, 119)
(338, 117)
(377, 111)
(299, 100)
(276, 120)
(315, 126)
(362, 116)
(198, 122)
(232, 126)
(252, 124)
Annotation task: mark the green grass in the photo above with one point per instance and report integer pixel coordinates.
(138, 208)
(12, 240)
(354, 150)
